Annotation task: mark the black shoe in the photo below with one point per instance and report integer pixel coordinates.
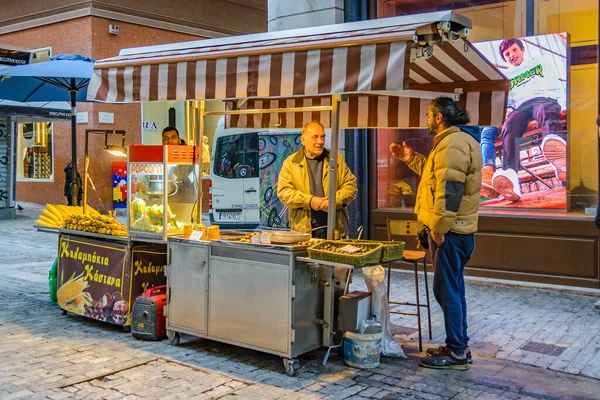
(435, 351)
(445, 359)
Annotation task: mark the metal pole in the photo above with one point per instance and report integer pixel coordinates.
(200, 143)
(86, 163)
(74, 186)
(333, 154)
(329, 290)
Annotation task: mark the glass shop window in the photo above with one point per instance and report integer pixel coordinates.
(35, 155)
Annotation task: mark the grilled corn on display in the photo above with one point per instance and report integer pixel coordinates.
(102, 224)
(72, 217)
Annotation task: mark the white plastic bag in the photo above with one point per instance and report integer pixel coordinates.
(375, 280)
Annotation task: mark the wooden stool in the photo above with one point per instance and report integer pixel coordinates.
(413, 256)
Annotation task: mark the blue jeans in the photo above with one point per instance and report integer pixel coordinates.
(449, 262)
(488, 150)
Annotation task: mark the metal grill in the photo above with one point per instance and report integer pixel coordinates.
(250, 255)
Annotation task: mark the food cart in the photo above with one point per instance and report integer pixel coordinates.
(100, 276)
(369, 74)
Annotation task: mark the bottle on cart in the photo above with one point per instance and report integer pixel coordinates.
(370, 326)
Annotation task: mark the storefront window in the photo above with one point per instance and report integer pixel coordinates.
(548, 145)
(35, 158)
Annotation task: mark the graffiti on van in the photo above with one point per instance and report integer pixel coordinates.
(274, 149)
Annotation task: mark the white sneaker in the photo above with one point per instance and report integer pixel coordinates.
(506, 182)
(555, 152)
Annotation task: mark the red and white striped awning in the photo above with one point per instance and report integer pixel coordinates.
(369, 60)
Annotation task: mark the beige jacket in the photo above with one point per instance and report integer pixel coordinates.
(293, 189)
(448, 195)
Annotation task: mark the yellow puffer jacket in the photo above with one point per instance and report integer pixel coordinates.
(293, 189)
(448, 195)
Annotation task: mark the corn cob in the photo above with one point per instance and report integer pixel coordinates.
(51, 216)
(47, 220)
(53, 210)
(42, 223)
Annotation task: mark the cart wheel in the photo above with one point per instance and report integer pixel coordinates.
(64, 312)
(174, 337)
(127, 328)
(291, 366)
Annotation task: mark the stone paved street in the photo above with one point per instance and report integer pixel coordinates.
(44, 354)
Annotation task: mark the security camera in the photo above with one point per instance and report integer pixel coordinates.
(113, 29)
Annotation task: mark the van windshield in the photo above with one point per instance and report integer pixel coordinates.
(236, 156)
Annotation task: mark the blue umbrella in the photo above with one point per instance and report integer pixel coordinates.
(64, 78)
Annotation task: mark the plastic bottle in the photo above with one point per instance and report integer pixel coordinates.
(371, 325)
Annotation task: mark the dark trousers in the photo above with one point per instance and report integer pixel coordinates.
(544, 110)
(70, 200)
(449, 262)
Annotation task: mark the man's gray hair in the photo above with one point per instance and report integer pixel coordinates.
(312, 123)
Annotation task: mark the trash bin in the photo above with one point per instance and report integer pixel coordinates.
(52, 277)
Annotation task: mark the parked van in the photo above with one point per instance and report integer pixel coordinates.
(245, 165)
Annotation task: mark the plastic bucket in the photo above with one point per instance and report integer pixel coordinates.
(362, 351)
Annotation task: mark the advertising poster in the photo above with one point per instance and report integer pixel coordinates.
(274, 148)
(147, 268)
(92, 280)
(101, 280)
(525, 159)
(119, 184)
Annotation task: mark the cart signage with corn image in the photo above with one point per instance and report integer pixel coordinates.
(101, 280)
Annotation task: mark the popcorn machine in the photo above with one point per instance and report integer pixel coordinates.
(163, 189)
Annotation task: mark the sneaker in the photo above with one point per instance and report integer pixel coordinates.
(506, 182)
(445, 359)
(433, 351)
(555, 152)
(487, 190)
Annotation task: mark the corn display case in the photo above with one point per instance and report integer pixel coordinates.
(162, 182)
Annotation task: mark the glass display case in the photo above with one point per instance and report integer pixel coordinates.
(163, 182)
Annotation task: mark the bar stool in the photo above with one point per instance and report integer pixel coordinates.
(414, 256)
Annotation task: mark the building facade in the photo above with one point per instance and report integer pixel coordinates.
(99, 29)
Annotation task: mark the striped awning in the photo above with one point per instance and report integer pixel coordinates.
(365, 111)
(368, 60)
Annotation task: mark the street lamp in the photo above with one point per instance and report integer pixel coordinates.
(115, 150)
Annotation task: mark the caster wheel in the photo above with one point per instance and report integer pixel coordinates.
(64, 312)
(291, 366)
(174, 337)
(127, 328)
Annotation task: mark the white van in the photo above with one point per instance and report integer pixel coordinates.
(244, 168)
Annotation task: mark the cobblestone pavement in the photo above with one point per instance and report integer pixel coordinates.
(44, 354)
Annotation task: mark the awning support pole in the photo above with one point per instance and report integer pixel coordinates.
(329, 290)
(333, 154)
(198, 142)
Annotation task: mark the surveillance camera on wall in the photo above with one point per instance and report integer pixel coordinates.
(113, 29)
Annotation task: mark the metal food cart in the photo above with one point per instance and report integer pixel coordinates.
(370, 74)
(254, 296)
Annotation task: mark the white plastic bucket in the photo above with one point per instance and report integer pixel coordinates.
(362, 351)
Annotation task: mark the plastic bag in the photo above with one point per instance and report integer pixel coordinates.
(375, 280)
(369, 326)
(52, 277)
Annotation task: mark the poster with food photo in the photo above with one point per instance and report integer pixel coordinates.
(525, 159)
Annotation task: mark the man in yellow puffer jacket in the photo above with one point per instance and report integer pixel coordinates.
(448, 203)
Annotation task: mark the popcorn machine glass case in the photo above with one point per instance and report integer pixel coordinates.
(162, 182)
